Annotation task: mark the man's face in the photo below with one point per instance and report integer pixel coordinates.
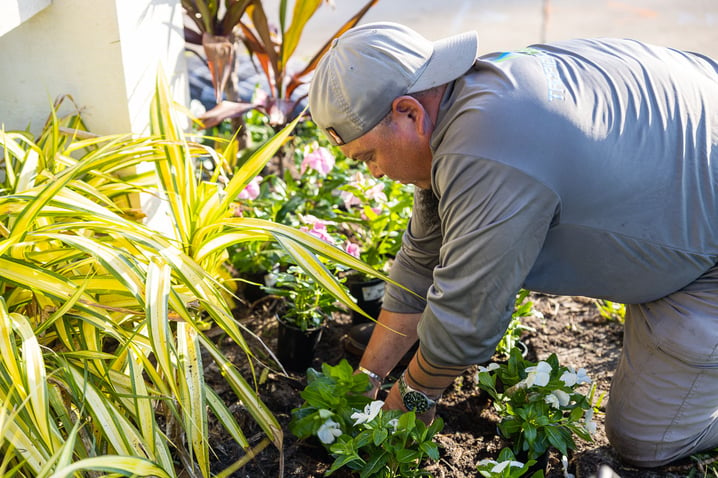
(398, 149)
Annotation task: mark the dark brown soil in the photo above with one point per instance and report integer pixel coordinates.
(571, 327)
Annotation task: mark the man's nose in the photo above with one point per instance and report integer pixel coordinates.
(375, 170)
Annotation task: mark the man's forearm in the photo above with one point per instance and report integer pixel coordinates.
(393, 336)
(391, 339)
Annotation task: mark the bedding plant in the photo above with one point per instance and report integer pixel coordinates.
(539, 403)
(324, 193)
(358, 434)
(104, 321)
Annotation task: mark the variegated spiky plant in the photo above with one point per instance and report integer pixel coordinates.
(103, 320)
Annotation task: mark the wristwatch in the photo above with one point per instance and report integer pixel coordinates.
(414, 400)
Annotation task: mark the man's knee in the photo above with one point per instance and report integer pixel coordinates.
(648, 448)
(633, 450)
(641, 452)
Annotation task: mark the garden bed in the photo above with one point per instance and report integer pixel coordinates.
(571, 327)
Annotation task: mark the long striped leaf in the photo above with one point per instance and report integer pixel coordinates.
(251, 168)
(258, 409)
(225, 417)
(175, 172)
(308, 240)
(26, 446)
(120, 433)
(35, 379)
(144, 412)
(125, 465)
(193, 398)
(301, 14)
(46, 282)
(9, 354)
(158, 287)
(312, 266)
(49, 190)
(115, 261)
(226, 238)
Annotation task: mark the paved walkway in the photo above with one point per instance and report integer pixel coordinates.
(509, 25)
(512, 24)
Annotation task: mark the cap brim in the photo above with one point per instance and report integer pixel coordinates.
(452, 57)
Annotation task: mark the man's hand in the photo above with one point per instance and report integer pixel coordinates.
(375, 385)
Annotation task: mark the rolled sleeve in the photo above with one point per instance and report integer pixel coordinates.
(494, 221)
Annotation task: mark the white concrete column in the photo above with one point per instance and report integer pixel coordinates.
(13, 13)
(105, 54)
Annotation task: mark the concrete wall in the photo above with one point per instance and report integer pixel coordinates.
(105, 54)
(14, 13)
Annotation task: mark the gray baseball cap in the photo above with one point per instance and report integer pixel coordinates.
(369, 66)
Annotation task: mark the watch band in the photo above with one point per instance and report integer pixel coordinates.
(414, 400)
(371, 374)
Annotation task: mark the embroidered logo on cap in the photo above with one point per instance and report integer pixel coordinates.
(337, 139)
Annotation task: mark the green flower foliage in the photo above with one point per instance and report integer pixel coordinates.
(506, 466)
(539, 403)
(356, 431)
(307, 304)
(522, 308)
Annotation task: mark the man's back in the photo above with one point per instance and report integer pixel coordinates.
(624, 135)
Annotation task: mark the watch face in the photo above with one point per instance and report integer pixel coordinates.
(416, 401)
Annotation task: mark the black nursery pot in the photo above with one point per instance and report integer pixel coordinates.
(369, 295)
(295, 347)
(253, 291)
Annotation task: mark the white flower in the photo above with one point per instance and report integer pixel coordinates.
(349, 199)
(558, 399)
(393, 423)
(499, 467)
(376, 193)
(370, 412)
(551, 400)
(564, 463)
(329, 431)
(583, 376)
(589, 424)
(563, 397)
(486, 461)
(571, 378)
(489, 368)
(538, 375)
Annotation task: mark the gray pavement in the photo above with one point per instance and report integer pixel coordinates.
(511, 24)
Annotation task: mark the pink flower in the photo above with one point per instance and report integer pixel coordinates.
(357, 179)
(376, 210)
(376, 192)
(319, 230)
(321, 160)
(310, 219)
(352, 249)
(251, 190)
(349, 199)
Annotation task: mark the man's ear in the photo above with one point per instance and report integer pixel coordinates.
(411, 108)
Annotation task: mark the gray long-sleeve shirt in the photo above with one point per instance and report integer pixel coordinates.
(586, 167)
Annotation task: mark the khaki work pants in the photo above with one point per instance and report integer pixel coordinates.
(663, 403)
